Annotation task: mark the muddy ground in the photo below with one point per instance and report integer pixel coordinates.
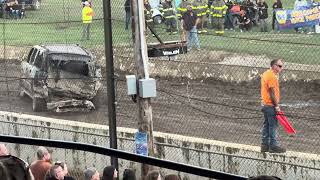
(201, 108)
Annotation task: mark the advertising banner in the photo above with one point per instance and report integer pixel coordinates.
(141, 141)
(289, 19)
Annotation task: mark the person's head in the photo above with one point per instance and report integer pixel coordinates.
(242, 13)
(189, 7)
(129, 174)
(109, 173)
(276, 65)
(43, 154)
(86, 3)
(56, 172)
(3, 150)
(91, 174)
(153, 175)
(63, 165)
(171, 177)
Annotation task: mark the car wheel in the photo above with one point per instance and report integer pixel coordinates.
(36, 4)
(38, 104)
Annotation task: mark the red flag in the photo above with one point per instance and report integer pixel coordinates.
(285, 123)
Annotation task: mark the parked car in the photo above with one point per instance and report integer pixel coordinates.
(60, 78)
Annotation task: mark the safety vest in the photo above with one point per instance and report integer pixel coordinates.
(168, 11)
(201, 8)
(182, 9)
(87, 14)
(218, 9)
(148, 16)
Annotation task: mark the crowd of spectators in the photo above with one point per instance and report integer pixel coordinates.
(44, 169)
(12, 9)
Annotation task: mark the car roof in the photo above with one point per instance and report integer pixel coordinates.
(66, 49)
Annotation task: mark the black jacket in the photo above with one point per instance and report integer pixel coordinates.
(127, 5)
(263, 10)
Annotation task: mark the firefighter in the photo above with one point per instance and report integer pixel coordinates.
(169, 15)
(180, 11)
(218, 10)
(201, 7)
(148, 16)
(182, 8)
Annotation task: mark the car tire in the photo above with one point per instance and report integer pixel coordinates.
(38, 104)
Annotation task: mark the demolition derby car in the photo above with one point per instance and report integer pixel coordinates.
(60, 78)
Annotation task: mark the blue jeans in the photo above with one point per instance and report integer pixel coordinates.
(193, 38)
(270, 125)
(128, 19)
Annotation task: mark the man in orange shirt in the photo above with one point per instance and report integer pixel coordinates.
(40, 167)
(270, 95)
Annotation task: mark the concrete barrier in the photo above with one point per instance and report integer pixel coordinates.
(221, 65)
(233, 158)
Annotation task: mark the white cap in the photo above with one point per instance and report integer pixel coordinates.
(86, 3)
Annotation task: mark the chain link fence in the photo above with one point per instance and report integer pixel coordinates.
(212, 93)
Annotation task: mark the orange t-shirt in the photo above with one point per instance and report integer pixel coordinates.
(39, 169)
(269, 80)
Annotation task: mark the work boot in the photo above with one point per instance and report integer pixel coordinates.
(277, 149)
(264, 148)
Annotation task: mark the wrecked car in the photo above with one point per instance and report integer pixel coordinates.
(60, 78)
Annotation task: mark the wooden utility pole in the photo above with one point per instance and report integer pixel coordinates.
(141, 56)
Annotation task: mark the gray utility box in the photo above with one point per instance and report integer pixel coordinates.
(131, 84)
(147, 88)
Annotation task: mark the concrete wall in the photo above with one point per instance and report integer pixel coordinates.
(234, 158)
(199, 65)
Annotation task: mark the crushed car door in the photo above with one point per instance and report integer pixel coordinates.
(27, 72)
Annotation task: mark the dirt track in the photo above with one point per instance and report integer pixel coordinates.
(209, 109)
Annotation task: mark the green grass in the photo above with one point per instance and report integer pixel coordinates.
(60, 22)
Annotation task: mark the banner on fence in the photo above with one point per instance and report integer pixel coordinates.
(141, 141)
(289, 19)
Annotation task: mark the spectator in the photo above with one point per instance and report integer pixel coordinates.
(127, 9)
(40, 167)
(228, 18)
(3, 150)
(129, 174)
(15, 168)
(263, 15)
(276, 6)
(244, 21)
(153, 175)
(4, 174)
(172, 177)
(109, 173)
(83, 3)
(65, 170)
(55, 173)
(189, 22)
(87, 14)
(91, 174)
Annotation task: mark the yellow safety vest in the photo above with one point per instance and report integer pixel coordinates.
(87, 14)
